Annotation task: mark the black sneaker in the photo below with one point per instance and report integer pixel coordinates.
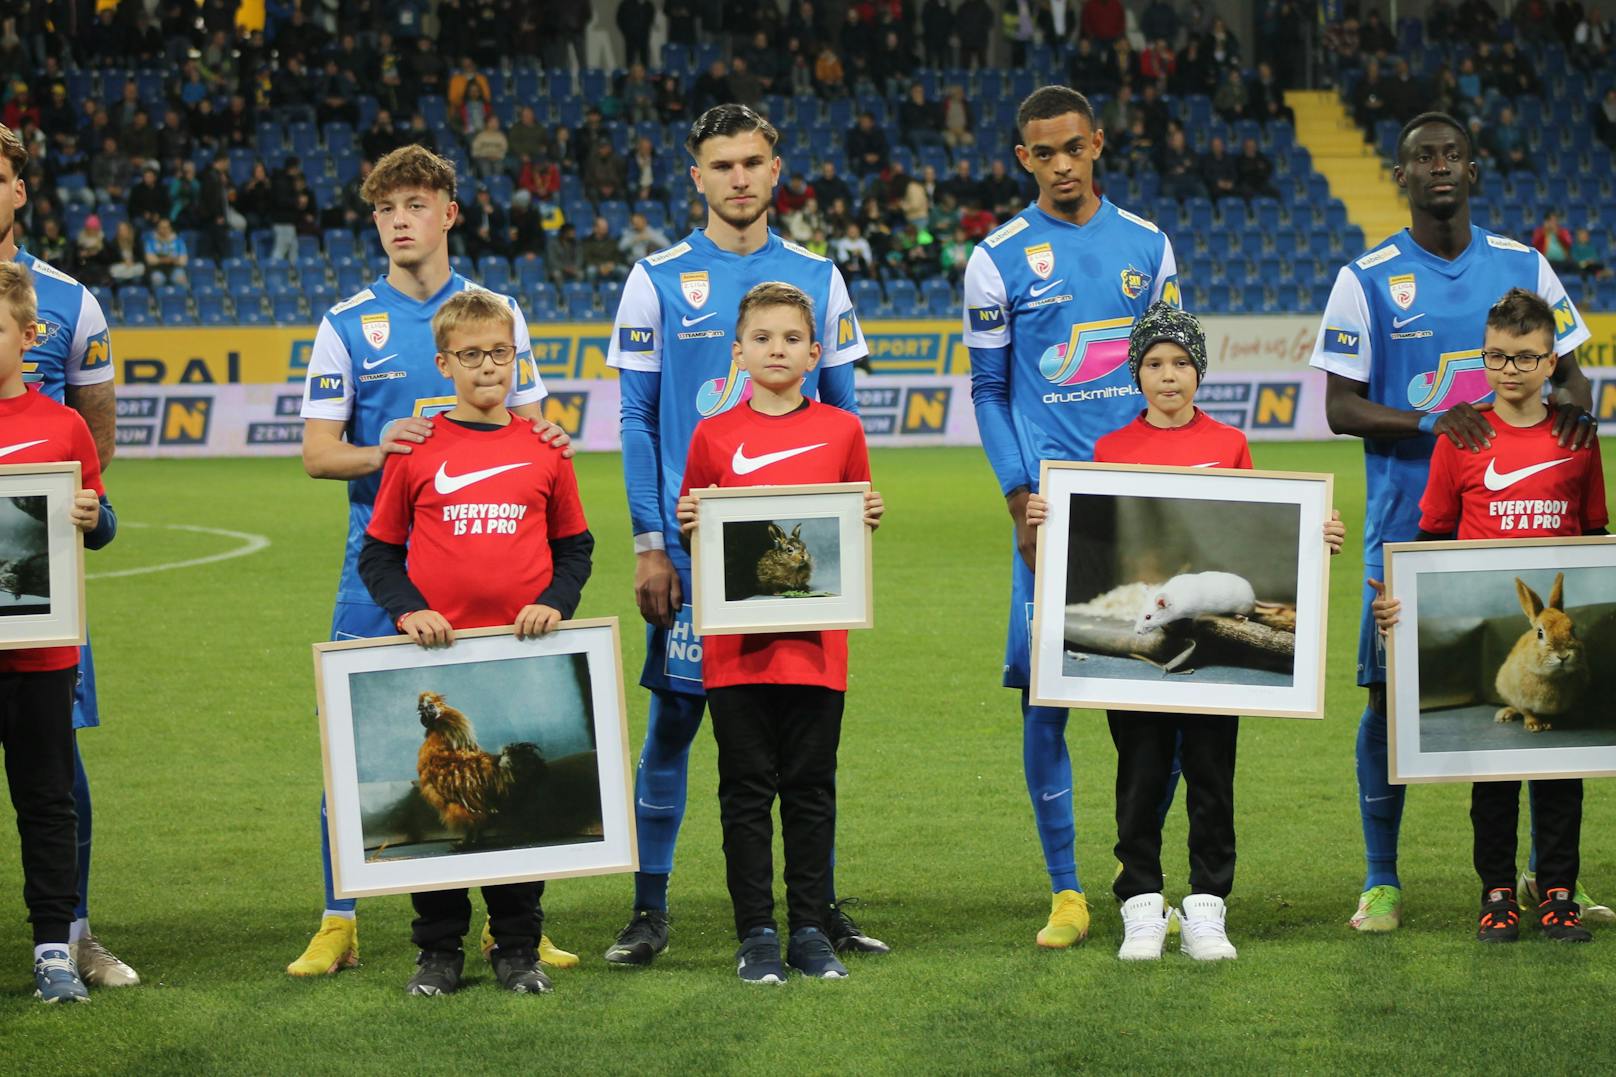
(518, 970)
(758, 959)
(1500, 917)
(845, 935)
(810, 953)
(639, 943)
(438, 973)
(1561, 918)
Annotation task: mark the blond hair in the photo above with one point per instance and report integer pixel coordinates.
(13, 150)
(472, 307)
(405, 168)
(775, 293)
(17, 294)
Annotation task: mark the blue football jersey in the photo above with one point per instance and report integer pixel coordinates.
(1410, 325)
(373, 363)
(73, 346)
(677, 319)
(1062, 299)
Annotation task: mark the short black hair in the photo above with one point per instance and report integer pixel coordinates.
(1521, 313)
(1432, 117)
(1047, 102)
(724, 120)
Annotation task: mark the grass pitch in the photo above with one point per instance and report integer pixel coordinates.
(207, 782)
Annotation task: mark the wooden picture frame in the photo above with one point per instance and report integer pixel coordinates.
(1116, 534)
(41, 557)
(750, 543)
(543, 791)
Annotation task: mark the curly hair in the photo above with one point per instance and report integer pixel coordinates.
(408, 167)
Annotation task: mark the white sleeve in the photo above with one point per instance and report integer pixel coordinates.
(1569, 328)
(89, 360)
(1165, 287)
(328, 390)
(840, 335)
(987, 316)
(1344, 345)
(527, 387)
(635, 343)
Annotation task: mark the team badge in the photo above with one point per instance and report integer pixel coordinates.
(696, 287)
(44, 330)
(1134, 283)
(1042, 260)
(376, 329)
(1402, 289)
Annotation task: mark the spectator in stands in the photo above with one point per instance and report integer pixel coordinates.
(50, 244)
(350, 210)
(913, 203)
(852, 253)
(184, 191)
(139, 140)
(524, 227)
(744, 86)
(1231, 101)
(790, 198)
(602, 260)
(958, 126)
(961, 184)
(1222, 47)
(20, 107)
(89, 253)
(466, 76)
(1265, 97)
(645, 173)
(873, 223)
(174, 141)
(428, 72)
(285, 185)
(486, 227)
(1375, 37)
(126, 265)
(1139, 149)
(1605, 119)
(711, 86)
(1586, 257)
(638, 97)
(1407, 95)
(937, 33)
(148, 202)
(1590, 41)
(587, 134)
(491, 148)
(1371, 100)
(472, 111)
(977, 220)
(1514, 72)
(339, 93)
(830, 187)
(913, 253)
(605, 175)
(634, 21)
(920, 120)
(955, 253)
(1194, 73)
(529, 139)
(1124, 62)
(256, 199)
(1503, 136)
(866, 144)
(1001, 192)
(1086, 68)
(166, 256)
(563, 153)
(1104, 21)
(56, 116)
(235, 126)
(641, 239)
(1219, 171)
(671, 103)
(1553, 241)
(215, 208)
(1177, 165)
(801, 223)
(109, 173)
(830, 78)
(973, 25)
(1158, 62)
(1255, 172)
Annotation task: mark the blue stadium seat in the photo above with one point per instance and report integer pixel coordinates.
(579, 299)
(903, 297)
(494, 272)
(136, 315)
(278, 276)
(211, 310)
(339, 243)
(616, 213)
(253, 312)
(939, 297)
(866, 295)
(288, 309)
(352, 279)
(174, 310)
(530, 273)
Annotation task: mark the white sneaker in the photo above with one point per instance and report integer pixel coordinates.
(1144, 928)
(1203, 937)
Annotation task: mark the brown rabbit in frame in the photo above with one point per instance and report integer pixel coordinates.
(787, 565)
(1546, 672)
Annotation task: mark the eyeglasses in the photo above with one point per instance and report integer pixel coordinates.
(472, 358)
(1525, 362)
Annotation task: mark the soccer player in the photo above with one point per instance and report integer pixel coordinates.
(371, 391)
(72, 363)
(671, 345)
(1050, 298)
(1401, 344)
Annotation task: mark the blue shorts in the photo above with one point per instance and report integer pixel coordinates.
(361, 620)
(86, 707)
(1018, 642)
(1371, 645)
(673, 656)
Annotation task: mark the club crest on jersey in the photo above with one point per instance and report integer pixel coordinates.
(1041, 258)
(696, 287)
(1402, 289)
(1459, 378)
(376, 329)
(44, 330)
(1093, 351)
(720, 394)
(1134, 282)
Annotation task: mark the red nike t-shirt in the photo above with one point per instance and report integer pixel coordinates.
(35, 429)
(1524, 485)
(478, 509)
(1201, 442)
(743, 447)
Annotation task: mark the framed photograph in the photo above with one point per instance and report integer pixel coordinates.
(493, 760)
(1499, 666)
(781, 559)
(41, 557)
(1190, 590)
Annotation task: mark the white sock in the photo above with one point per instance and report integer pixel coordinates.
(45, 947)
(80, 929)
(346, 914)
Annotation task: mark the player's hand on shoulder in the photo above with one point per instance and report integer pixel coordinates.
(1037, 510)
(1575, 428)
(86, 511)
(656, 588)
(536, 620)
(1466, 427)
(1335, 532)
(1385, 608)
(429, 628)
(553, 435)
(401, 436)
(874, 509)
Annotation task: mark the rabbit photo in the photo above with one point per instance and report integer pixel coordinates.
(786, 565)
(1545, 673)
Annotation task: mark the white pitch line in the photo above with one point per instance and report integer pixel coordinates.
(251, 543)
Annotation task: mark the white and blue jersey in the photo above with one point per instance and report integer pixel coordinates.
(671, 344)
(1048, 309)
(72, 348)
(373, 363)
(1409, 325)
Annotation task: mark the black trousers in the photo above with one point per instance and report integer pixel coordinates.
(1557, 812)
(777, 739)
(1145, 745)
(36, 729)
(442, 917)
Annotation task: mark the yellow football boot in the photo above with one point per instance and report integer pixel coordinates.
(1068, 921)
(549, 953)
(334, 947)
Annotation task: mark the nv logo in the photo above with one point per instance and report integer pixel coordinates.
(1565, 319)
(186, 420)
(1170, 293)
(846, 330)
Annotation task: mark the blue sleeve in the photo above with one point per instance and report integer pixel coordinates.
(990, 395)
(836, 387)
(642, 471)
(105, 529)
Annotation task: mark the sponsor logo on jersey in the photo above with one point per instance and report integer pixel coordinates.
(1373, 259)
(1565, 319)
(984, 319)
(1092, 352)
(1136, 219)
(1003, 233)
(846, 330)
(1041, 259)
(1039, 289)
(326, 387)
(696, 287)
(633, 338)
(1504, 243)
(1459, 378)
(527, 372)
(1134, 282)
(682, 247)
(1402, 288)
(1341, 342)
(44, 330)
(720, 394)
(376, 329)
(1170, 293)
(97, 352)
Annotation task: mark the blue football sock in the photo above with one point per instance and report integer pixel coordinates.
(1172, 780)
(1049, 786)
(332, 902)
(1379, 802)
(81, 804)
(659, 791)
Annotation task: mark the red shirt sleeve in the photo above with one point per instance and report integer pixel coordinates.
(565, 512)
(395, 502)
(699, 471)
(89, 459)
(857, 467)
(1439, 507)
(1594, 513)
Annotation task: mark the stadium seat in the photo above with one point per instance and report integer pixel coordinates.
(530, 274)
(211, 310)
(939, 298)
(579, 299)
(288, 309)
(136, 315)
(903, 297)
(866, 295)
(494, 272)
(174, 310)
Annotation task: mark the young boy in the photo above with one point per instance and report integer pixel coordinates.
(776, 699)
(36, 683)
(1167, 354)
(480, 466)
(1467, 497)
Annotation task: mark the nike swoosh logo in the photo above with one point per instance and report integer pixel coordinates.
(20, 446)
(1376, 800)
(1057, 796)
(692, 321)
(373, 364)
(658, 807)
(1214, 463)
(1495, 481)
(1039, 289)
(743, 464)
(1398, 323)
(446, 483)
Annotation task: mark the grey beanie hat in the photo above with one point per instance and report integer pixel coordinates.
(1163, 321)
